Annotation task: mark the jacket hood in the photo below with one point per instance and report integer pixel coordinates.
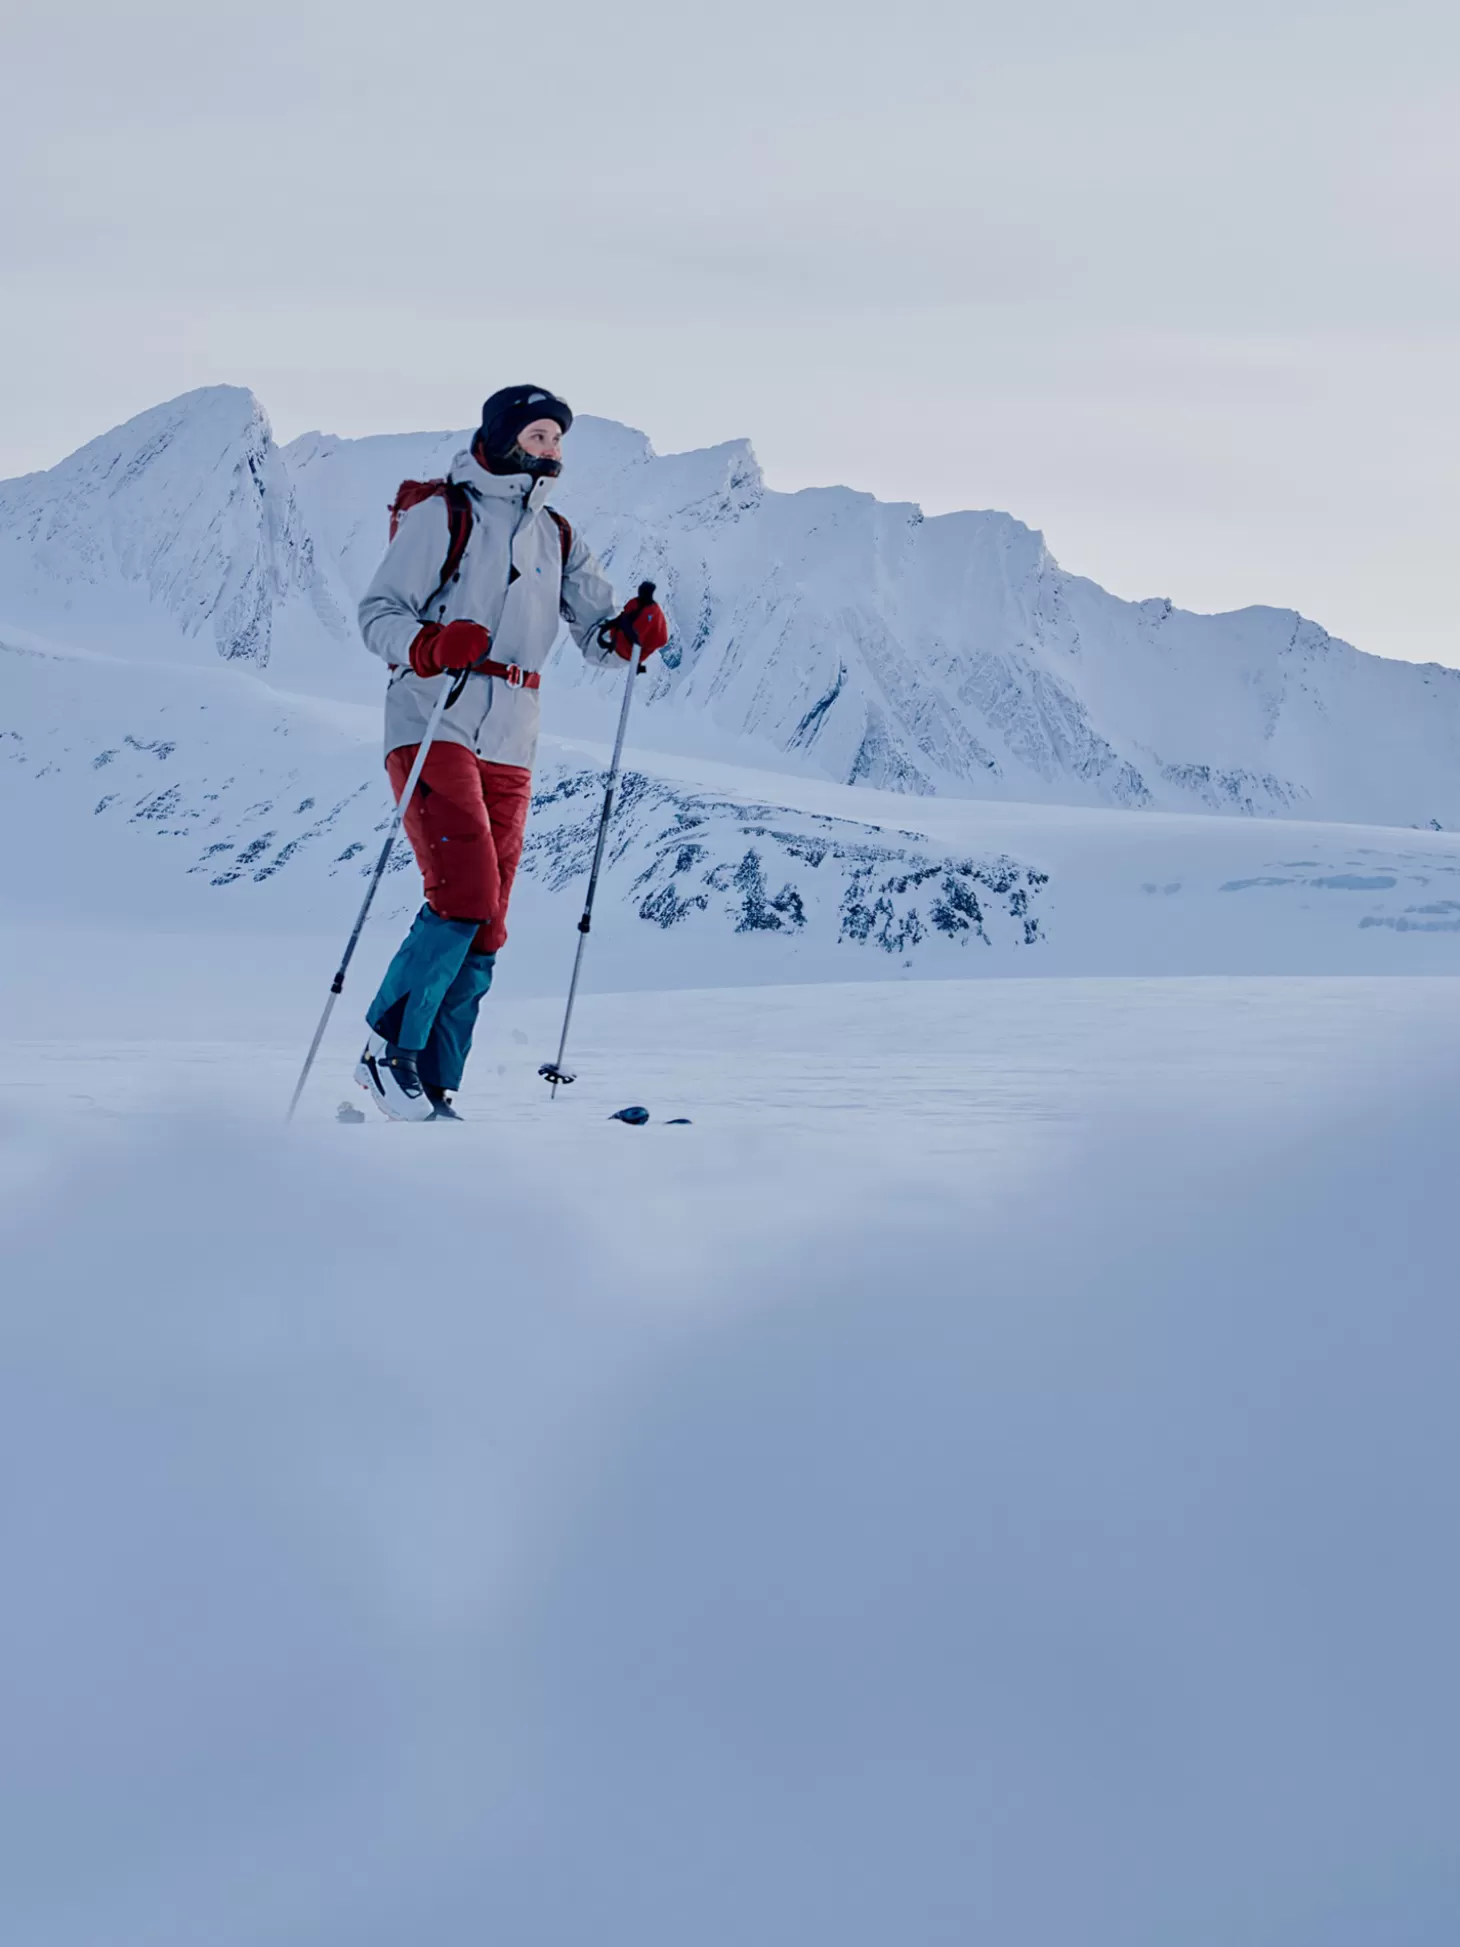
(520, 488)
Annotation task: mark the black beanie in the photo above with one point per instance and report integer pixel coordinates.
(506, 413)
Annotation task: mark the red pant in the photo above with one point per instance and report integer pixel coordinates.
(465, 823)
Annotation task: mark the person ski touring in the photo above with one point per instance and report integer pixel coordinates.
(478, 572)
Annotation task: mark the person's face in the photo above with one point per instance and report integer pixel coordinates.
(543, 439)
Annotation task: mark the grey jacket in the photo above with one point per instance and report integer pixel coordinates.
(512, 580)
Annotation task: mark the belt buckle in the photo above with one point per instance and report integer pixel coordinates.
(514, 677)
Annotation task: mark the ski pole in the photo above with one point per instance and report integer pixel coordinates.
(444, 702)
(554, 1071)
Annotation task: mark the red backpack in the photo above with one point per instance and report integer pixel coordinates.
(410, 493)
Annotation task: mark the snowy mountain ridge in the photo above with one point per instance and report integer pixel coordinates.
(821, 632)
(195, 799)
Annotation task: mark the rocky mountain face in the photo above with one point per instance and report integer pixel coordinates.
(822, 632)
(186, 796)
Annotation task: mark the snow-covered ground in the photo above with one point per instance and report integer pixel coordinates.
(991, 1476)
(135, 1024)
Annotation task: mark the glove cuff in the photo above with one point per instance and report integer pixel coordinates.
(422, 661)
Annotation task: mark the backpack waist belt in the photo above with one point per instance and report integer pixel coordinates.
(511, 675)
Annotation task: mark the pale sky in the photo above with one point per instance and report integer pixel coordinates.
(1179, 286)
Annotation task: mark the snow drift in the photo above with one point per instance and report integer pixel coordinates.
(893, 1568)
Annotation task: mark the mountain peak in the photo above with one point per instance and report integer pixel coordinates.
(185, 507)
(211, 417)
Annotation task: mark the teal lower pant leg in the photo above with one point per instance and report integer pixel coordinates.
(445, 1057)
(419, 978)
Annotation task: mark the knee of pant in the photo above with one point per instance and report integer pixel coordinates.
(461, 874)
(478, 969)
(463, 882)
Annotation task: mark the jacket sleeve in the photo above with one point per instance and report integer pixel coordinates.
(391, 612)
(587, 602)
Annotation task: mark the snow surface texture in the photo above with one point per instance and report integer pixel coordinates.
(894, 1563)
(849, 639)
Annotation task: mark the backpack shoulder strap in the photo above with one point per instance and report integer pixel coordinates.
(411, 493)
(458, 522)
(565, 533)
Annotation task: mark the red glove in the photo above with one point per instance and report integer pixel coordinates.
(443, 646)
(641, 622)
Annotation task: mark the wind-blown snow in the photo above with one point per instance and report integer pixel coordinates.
(828, 632)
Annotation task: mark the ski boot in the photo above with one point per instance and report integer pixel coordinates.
(389, 1077)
